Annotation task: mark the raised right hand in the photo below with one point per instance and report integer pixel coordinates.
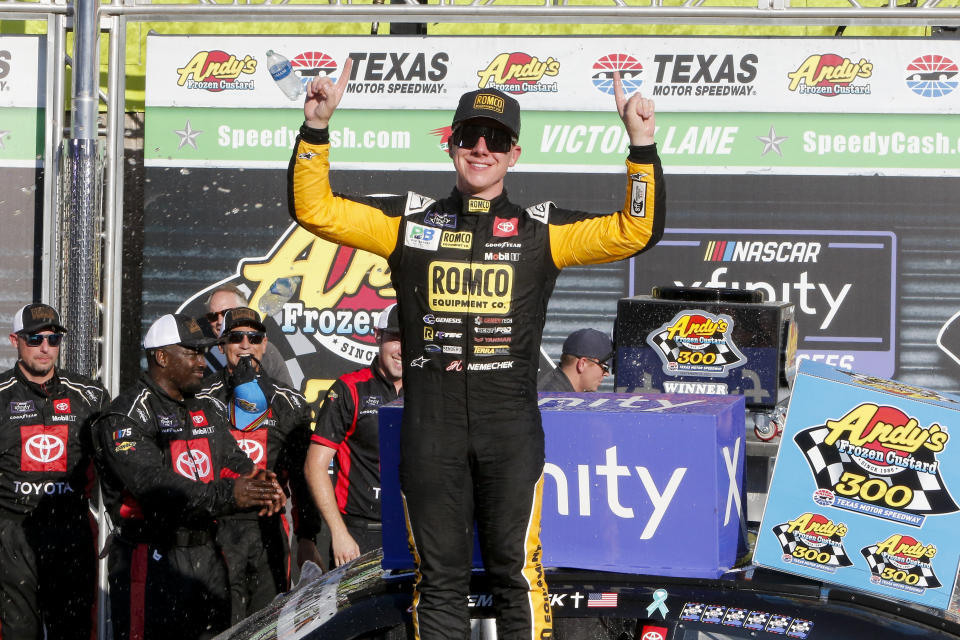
(323, 97)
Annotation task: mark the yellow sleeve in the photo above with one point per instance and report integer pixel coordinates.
(334, 218)
(579, 238)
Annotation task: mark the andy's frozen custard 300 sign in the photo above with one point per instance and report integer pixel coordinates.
(877, 460)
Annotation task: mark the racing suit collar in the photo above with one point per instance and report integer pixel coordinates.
(149, 382)
(471, 205)
(39, 389)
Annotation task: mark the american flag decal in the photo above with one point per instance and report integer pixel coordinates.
(601, 600)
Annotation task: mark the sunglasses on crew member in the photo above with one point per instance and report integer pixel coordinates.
(36, 339)
(213, 316)
(603, 365)
(467, 136)
(236, 337)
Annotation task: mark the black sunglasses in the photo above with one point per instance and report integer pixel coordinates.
(213, 316)
(36, 339)
(602, 365)
(236, 337)
(498, 140)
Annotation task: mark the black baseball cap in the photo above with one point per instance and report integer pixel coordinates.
(36, 317)
(176, 328)
(489, 103)
(589, 343)
(242, 317)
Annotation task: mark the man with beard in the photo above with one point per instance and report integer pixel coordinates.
(169, 468)
(47, 552)
(271, 423)
(348, 428)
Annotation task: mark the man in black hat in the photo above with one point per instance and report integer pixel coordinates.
(47, 552)
(169, 468)
(271, 423)
(473, 273)
(348, 431)
(584, 363)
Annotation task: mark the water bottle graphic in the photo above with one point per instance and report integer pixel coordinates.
(283, 74)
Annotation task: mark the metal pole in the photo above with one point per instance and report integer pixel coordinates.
(113, 203)
(80, 216)
(53, 138)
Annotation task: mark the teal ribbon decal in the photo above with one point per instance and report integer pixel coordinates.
(659, 603)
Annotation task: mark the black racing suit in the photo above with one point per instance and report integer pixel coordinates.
(167, 470)
(257, 549)
(473, 278)
(47, 551)
(348, 422)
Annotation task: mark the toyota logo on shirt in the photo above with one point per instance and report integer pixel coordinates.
(193, 464)
(62, 405)
(44, 448)
(198, 418)
(192, 459)
(252, 448)
(504, 227)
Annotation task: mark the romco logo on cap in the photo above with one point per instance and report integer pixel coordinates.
(489, 102)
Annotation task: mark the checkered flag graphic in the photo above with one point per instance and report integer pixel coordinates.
(877, 562)
(838, 554)
(724, 355)
(930, 495)
(799, 628)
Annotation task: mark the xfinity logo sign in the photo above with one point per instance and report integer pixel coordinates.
(629, 481)
(611, 473)
(841, 283)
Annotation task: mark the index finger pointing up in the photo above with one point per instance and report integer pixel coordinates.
(618, 92)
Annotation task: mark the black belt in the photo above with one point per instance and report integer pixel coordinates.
(137, 531)
(191, 537)
(360, 522)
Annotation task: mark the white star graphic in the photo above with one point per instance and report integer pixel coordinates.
(188, 135)
(771, 142)
(3, 135)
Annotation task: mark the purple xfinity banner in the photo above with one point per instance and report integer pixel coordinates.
(843, 283)
(636, 483)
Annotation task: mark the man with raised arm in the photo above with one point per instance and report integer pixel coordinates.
(473, 273)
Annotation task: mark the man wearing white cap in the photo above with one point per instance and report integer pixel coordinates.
(271, 423)
(169, 468)
(47, 560)
(348, 429)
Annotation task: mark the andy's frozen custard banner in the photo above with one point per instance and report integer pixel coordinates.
(862, 493)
